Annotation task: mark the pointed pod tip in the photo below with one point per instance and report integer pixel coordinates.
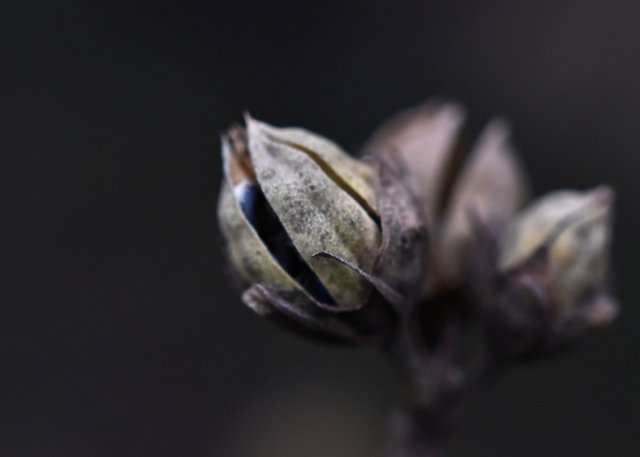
(255, 126)
(225, 148)
(604, 194)
(453, 109)
(449, 109)
(499, 127)
(249, 121)
(252, 122)
(254, 300)
(603, 312)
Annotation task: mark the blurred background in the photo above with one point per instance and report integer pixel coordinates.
(120, 334)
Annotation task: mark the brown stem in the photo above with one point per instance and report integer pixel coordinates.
(437, 384)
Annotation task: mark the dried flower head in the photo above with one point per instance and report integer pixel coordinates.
(429, 253)
(337, 246)
(538, 275)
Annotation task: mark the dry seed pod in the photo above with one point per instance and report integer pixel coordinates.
(295, 170)
(425, 140)
(554, 262)
(237, 207)
(491, 188)
(575, 228)
(307, 225)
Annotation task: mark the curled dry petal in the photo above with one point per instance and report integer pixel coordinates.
(403, 254)
(295, 310)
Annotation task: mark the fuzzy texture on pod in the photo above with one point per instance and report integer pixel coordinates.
(322, 238)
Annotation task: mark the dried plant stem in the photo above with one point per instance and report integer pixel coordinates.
(437, 384)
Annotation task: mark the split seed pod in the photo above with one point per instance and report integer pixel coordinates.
(306, 226)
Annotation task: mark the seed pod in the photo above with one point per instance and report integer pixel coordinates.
(294, 170)
(302, 224)
(423, 143)
(555, 259)
(575, 228)
(425, 140)
(491, 188)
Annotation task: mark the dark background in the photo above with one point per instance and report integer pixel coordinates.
(119, 332)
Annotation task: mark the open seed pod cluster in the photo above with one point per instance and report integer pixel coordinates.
(536, 273)
(339, 247)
